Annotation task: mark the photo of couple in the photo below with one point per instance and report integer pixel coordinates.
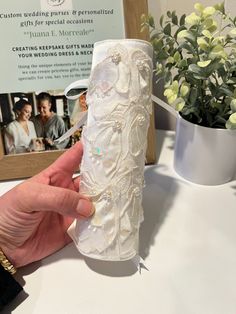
(32, 122)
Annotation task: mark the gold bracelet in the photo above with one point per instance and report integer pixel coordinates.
(6, 264)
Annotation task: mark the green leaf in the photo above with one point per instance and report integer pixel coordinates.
(218, 40)
(168, 92)
(169, 14)
(175, 86)
(229, 126)
(180, 104)
(161, 20)
(232, 118)
(195, 69)
(199, 7)
(177, 57)
(203, 64)
(231, 80)
(192, 19)
(218, 52)
(207, 34)
(170, 95)
(151, 21)
(212, 88)
(224, 90)
(155, 35)
(233, 32)
(208, 11)
(182, 20)
(213, 27)
(181, 28)
(161, 55)
(221, 71)
(182, 34)
(172, 99)
(183, 63)
(231, 123)
(215, 65)
(188, 36)
(167, 29)
(170, 60)
(220, 7)
(168, 77)
(203, 44)
(187, 47)
(208, 23)
(157, 44)
(233, 105)
(174, 18)
(184, 89)
(193, 96)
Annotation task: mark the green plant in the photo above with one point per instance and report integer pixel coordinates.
(196, 57)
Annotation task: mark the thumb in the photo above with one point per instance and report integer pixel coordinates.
(33, 196)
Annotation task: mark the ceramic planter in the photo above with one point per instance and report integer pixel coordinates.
(204, 155)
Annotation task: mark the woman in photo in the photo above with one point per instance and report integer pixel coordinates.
(20, 132)
(79, 106)
(48, 124)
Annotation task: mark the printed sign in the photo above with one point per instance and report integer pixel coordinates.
(47, 44)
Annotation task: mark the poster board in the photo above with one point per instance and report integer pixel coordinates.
(49, 45)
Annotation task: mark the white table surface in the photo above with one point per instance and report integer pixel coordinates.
(188, 241)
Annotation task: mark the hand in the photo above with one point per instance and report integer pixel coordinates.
(49, 141)
(35, 215)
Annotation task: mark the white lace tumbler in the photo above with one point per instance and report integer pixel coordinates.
(114, 141)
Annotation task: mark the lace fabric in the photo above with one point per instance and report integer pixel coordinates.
(115, 140)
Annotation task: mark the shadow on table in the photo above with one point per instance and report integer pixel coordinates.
(22, 296)
(234, 186)
(158, 198)
(160, 138)
(112, 269)
(68, 252)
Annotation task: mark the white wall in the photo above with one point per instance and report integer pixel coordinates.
(159, 7)
(230, 6)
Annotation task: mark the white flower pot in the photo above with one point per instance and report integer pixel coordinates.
(204, 155)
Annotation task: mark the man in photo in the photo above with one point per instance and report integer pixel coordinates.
(48, 124)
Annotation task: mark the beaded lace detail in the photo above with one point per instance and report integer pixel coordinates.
(115, 139)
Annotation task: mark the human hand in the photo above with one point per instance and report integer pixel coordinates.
(49, 141)
(35, 215)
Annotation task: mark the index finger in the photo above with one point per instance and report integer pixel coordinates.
(69, 161)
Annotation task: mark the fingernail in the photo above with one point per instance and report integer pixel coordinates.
(85, 208)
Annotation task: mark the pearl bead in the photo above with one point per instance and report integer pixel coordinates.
(117, 126)
(141, 120)
(116, 57)
(140, 65)
(107, 196)
(137, 191)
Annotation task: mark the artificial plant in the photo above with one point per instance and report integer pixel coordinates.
(196, 57)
